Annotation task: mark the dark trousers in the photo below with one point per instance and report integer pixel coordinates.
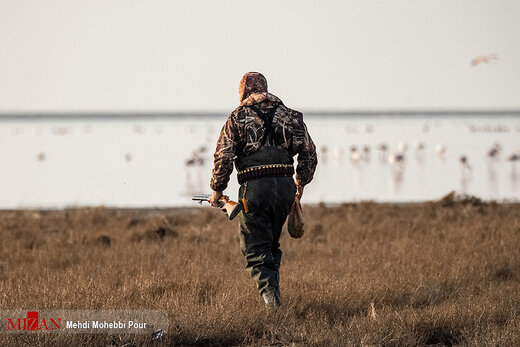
(269, 201)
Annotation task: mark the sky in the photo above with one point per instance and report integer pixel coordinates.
(189, 55)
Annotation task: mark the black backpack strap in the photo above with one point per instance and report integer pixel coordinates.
(268, 120)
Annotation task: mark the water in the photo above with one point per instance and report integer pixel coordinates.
(142, 162)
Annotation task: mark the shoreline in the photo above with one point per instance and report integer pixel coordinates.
(158, 115)
(447, 199)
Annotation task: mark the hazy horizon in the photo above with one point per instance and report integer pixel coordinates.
(204, 113)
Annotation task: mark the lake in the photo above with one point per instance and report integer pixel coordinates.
(158, 161)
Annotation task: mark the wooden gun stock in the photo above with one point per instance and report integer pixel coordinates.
(231, 207)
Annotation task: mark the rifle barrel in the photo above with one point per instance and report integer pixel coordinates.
(201, 197)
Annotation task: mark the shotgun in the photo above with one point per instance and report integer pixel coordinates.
(231, 207)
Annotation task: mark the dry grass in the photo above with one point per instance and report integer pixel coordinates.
(365, 274)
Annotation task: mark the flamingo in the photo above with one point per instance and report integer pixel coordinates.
(323, 152)
(419, 151)
(441, 150)
(355, 156)
(338, 153)
(466, 172)
(396, 159)
(494, 152)
(514, 158)
(195, 159)
(366, 152)
(382, 148)
(484, 59)
(463, 159)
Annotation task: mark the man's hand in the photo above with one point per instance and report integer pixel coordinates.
(299, 190)
(214, 199)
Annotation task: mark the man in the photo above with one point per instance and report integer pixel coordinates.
(261, 136)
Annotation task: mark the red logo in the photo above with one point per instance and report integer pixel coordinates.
(32, 322)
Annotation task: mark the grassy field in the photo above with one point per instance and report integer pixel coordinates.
(444, 273)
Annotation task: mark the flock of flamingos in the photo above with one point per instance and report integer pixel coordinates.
(395, 158)
(357, 154)
(398, 157)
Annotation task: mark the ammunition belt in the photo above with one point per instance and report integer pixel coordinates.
(271, 170)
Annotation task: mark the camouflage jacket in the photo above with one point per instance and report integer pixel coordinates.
(243, 132)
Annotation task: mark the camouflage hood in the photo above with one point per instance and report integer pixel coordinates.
(257, 98)
(253, 90)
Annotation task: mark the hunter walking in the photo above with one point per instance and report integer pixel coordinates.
(261, 136)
